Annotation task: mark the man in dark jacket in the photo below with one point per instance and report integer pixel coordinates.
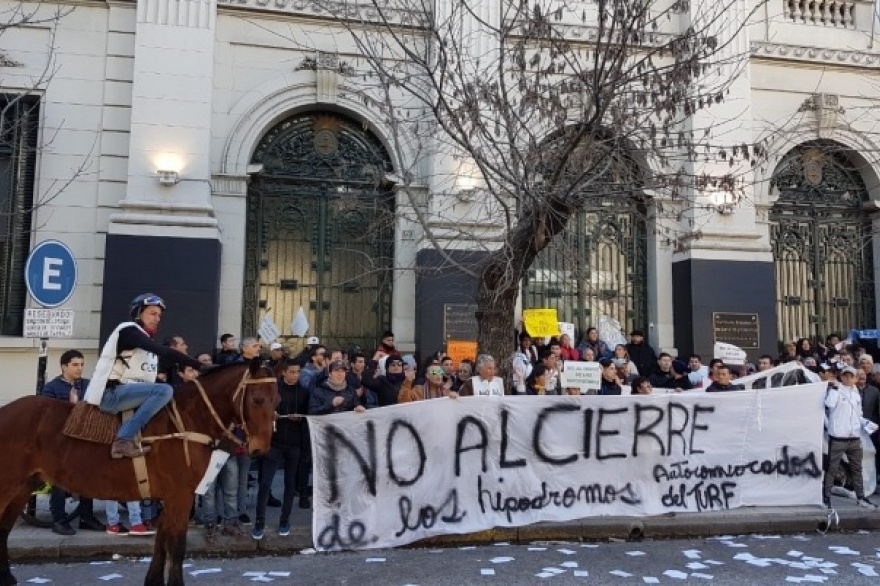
(641, 354)
(386, 386)
(227, 353)
(670, 374)
(290, 448)
(70, 386)
(723, 381)
(334, 395)
(168, 371)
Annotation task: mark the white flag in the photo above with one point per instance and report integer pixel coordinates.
(300, 324)
(729, 353)
(268, 330)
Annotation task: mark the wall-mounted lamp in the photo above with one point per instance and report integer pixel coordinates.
(466, 194)
(724, 208)
(167, 177)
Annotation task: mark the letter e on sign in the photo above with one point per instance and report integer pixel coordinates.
(50, 273)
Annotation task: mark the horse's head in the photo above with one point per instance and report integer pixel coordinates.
(258, 406)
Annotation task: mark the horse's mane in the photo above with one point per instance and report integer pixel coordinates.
(219, 368)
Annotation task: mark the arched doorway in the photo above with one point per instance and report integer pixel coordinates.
(822, 243)
(320, 230)
(598, 265)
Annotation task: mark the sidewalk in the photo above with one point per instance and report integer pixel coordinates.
(28, 543)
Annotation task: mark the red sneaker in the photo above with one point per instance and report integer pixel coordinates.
(141, 529)
(117, 529)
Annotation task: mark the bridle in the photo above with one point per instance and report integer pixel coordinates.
(140, 465)
(209, 440)
(238, 401)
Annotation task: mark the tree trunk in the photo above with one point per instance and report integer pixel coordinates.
(496, 305)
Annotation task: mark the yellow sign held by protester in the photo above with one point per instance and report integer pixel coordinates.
(540, 323)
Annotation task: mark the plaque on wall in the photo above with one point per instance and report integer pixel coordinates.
(459, 321)
(739, 329)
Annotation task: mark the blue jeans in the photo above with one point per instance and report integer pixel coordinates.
(227, 481)
(244, 469)
(147, 398)
(134, 512)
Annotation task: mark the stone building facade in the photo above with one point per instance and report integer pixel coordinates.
(185, 147)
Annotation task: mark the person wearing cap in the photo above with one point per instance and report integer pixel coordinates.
(723, 381)
(277, 358)
(125, 375)
(843, 406)
(828, 373)
(334, 394)
(641, 353)
(303, 357)
(387, 386)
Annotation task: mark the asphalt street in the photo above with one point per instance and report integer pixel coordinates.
(740, 560)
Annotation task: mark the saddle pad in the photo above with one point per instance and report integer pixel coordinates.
(87, 422)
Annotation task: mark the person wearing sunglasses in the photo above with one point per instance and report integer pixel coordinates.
(125, 375)
(436, 386)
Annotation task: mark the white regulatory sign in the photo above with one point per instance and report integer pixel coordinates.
(48, 323)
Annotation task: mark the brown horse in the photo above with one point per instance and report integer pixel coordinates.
(36, 451)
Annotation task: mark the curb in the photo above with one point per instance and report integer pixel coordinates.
(48, 548)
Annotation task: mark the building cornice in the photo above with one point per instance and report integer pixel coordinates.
(844, 57)
(356, 12)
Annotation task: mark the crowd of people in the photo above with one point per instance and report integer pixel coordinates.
(321, 380)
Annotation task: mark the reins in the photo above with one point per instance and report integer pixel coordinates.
(205, 439)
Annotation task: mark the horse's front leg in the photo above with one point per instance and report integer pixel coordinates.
(7, 521)
(156, 572)
(174, 523)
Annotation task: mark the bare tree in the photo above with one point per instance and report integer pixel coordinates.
(529, 111)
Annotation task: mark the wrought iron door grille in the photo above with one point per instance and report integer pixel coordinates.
(822, 244)
(596, 267)
(320, 230)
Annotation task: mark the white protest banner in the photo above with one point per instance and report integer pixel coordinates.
(610, 331)
(567, 328)
(391, 476)
(583, 375)
(300, 323)
(268, 331)
(729, 353)
(784, 375)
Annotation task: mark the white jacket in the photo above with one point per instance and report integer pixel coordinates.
(844, 407)
(136, 365)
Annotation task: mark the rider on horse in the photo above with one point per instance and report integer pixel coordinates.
(125, 375)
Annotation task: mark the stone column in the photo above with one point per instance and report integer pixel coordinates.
(165, 239)
(726, 264)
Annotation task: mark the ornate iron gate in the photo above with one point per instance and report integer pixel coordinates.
(822, 244)
(596, 267)
(320, 230)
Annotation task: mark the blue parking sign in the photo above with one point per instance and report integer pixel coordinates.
(50, 273)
